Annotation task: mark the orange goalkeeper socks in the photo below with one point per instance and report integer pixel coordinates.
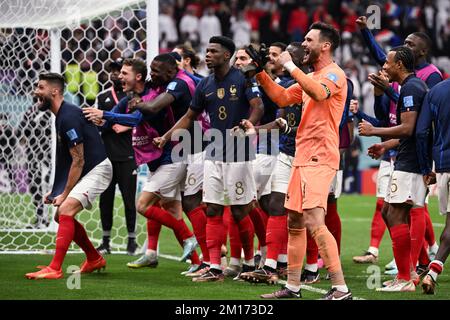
(296, 254)
(328, 251)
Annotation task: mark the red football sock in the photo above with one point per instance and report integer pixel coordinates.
(429, 232)
(64, 236)
(235, 239)
(284, 243)
(247, 233)
(424, 259)
(256, 215)
(333, 223)
(81, 239)
(226, 223)
(417, 231)
(198, 221)
(214, 237)
(166, 219)
(312, 251)
(378, 225)
(153, 230)
(276, 231)
(401, 246)
(436, 266)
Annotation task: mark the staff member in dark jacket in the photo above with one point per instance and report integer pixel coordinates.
(117, 140)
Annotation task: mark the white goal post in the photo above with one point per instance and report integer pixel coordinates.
(77, 38)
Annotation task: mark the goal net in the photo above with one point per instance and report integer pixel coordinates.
(77, 38)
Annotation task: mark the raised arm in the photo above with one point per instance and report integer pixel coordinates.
(281, 96)
(375, 50)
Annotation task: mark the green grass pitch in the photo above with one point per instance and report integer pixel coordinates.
(166, 283)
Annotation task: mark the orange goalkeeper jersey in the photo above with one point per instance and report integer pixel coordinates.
(317, 140)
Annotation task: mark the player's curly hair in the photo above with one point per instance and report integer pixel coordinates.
(406, 56)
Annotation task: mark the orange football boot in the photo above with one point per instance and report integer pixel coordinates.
(91, 266)
(45, 273)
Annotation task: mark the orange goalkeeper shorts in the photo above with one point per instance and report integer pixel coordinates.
(309, 187)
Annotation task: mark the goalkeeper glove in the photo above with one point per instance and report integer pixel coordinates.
(259, 60)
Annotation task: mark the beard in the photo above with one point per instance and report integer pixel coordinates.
(311, 58)
(43, 104)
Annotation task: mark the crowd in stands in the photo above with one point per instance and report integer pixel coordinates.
(268, 21)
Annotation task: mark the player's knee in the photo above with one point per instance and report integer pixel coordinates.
(213, 210)
(295, 221)
(69, 208)
(191, 202)
(264, 202)
(239, 212)
(276, 204)
(141, 207)
(276, 208)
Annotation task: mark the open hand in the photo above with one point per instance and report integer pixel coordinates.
(379, 80)
(93, 114)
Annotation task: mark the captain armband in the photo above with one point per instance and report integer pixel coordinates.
(327, 90)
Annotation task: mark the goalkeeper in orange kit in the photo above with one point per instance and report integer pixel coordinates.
(323, 93)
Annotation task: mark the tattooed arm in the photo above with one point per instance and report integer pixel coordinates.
(77, 153)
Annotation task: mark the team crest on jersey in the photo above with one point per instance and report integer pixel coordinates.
(220, 93)
(233, 92)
